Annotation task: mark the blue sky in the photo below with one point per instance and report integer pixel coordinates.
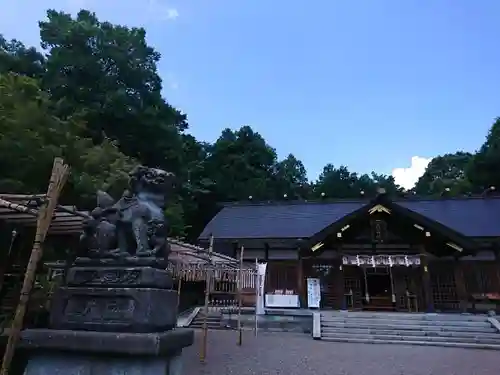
(369, 84)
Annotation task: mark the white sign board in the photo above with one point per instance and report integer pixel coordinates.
(313, 293)
(261, 280)
(282, 300)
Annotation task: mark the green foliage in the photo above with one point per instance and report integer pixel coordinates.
(483, 171)
(341, 183)
(31, 136)
(16, 58)
(95, 99)
(109, 73)
(445, 172)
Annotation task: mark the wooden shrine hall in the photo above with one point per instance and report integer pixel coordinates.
(407, 254)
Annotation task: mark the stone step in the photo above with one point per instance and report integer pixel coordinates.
(455, 323)
(403, 316)
(209, 326)
(424, 343)
(328, 330)
(209, 318)
(416, 327)
(416, 338)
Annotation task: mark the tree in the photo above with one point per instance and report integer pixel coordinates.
(445, 172)
(290, 178)
(482, 171)
(336, 183)
(341, 183)
(109, 73)
(16, 58)
(241, 165)
(31, 136)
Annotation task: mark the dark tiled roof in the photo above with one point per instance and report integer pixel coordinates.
(474, 217)
(276, 220)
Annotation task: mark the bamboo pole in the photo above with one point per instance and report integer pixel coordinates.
(240, 287)
(18, 207)
(208, 281)
(57, 180)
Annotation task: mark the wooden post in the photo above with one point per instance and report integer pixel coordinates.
(256, 278)
(300, 282)
(426, 280)
(179, 286)
(208, 281)
(6, 258)
(240, 287)
(57, 180)
(460, 285)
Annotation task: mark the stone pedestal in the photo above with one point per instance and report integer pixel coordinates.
(111, 317)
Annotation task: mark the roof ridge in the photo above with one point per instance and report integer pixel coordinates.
(293, 203)
(410, 198)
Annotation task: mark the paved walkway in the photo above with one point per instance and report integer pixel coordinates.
(294, 354)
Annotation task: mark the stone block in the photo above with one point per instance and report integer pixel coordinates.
(61, 352)
(106, 343)
(145, 277)
(114, 309)
(61, 364)
(316, 331)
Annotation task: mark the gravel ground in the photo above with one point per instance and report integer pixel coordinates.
(294, 354)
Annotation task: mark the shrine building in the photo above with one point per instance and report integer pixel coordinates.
(404, 254)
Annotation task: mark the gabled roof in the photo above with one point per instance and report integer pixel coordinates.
(295, 220)
(471, 217)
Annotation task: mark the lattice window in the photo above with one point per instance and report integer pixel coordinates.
(443, 287)
(354, 283)
(281, 276)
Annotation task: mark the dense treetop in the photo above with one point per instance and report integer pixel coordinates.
(95, 98)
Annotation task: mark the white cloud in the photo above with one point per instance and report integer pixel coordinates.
(408, 177)
(162, 11)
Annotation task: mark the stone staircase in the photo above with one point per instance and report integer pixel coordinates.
(452, 330)
(213, 321)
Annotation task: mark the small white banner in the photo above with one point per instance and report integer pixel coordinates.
(313, 293)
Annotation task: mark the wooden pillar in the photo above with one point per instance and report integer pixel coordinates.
(7, 241)
(460, 285)
(497, 270)
(300, 282)
(426, 280)
(339, 285)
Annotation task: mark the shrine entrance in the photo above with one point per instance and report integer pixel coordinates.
(380, 289)
(382, 282)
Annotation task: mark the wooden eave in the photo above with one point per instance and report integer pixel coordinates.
(382, 202)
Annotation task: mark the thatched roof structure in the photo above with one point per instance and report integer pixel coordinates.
(22, 209)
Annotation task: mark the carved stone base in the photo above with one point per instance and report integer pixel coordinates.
(61, 352)
(122, 262)
(142, 277)
(114, 309)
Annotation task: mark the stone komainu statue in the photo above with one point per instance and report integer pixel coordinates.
(135, 225)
